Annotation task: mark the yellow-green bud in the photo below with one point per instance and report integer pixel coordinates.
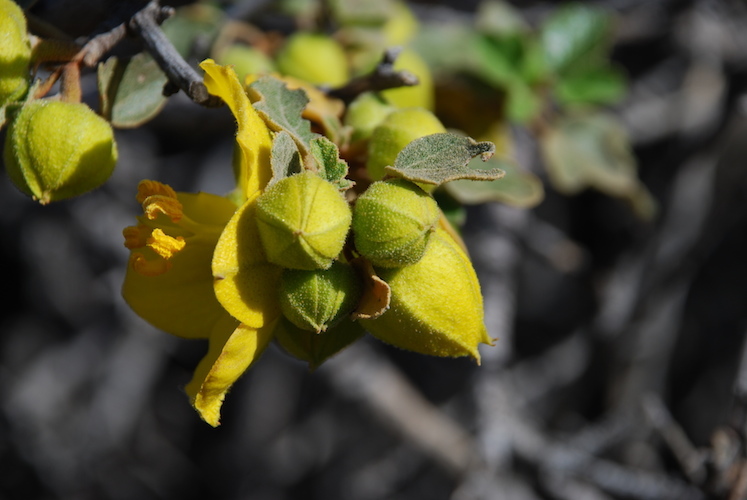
(420, 95)
(436, 305)
(315, 58)
(398, 130)
(392, 222)
(366, 112)
(246, 60)
(316, 300)
(15, 52)
(56, 150)
(303, 221)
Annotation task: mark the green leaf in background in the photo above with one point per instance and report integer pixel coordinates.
(315, 348)
(595, 86)
(284, 158)
(361, 12)
(282, 108)
(131, 91)
(575, 34)
(522, 104)
(590, 150)
(516, 188)
(192, 22)
(331, 167)
(439, 158)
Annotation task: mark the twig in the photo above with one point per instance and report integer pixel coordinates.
(383, 77)
(691, 460)
(145, 25)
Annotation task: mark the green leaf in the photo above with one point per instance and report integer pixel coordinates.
(522, 104)
(131, 91)
(315, 348)
(516, 188)
(499, 18)
(199, 21)
(590, 150)
(284, 158)
(439, 158)
(331, 167)
(574, 34)
(596, 86)
(282, 109)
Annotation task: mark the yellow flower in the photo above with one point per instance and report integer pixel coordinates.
(194, 274)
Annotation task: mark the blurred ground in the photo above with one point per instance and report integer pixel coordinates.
(620, 370)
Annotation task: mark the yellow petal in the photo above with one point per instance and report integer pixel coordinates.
(253, 137)
(436, 305)
(245, 283)
(180, 299)
(232, 349)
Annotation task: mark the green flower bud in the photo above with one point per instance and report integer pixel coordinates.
(316, 300)
(398, 130)
(303, 221)
(436, 304)
(15, 52)
(366, 112)
(392, 222)
(56, 150)
(314, 58)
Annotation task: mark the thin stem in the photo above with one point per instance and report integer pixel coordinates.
(144, 24)
(383, 77)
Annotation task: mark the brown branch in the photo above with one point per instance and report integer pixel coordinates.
(383, 77)
(145, 24)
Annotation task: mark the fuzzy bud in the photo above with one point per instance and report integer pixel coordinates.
(303, 221)
(56, 150)
(392, 222)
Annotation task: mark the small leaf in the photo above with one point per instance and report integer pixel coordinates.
(516, 188)
(315, 348)
(331, 167)
(284, 158)
(590, 150)
(574, 34)
(439, 158)
(600, 85)
(282, 109)
(131, 91)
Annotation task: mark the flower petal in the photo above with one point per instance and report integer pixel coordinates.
(232, 349)
(253, 137)
(181, 300)
(246, 285)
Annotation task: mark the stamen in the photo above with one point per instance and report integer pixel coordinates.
(136, 236)
(148, 188)
(164, 245)
(146, 267)
(161, 204)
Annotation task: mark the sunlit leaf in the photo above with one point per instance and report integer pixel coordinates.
(285, 158)
(573, 34)
(439, 158)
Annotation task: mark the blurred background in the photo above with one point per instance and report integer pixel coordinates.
(619, 371)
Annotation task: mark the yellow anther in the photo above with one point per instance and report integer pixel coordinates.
(162, 204)
(164, 245)
(148, 188)
(136, 236)
(146, 267)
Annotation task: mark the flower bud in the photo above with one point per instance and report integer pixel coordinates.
(314, 58)
(392, 222)
(15, 52)
(420, 95)
(398, 130)
(436, 305)
(246, 60)
(303, 221)
(56, 150)
(316, 300)
(366, 112)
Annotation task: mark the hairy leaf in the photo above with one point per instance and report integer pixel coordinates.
(439, 158)
(331, 167)
(285, 158)
(282, 109)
